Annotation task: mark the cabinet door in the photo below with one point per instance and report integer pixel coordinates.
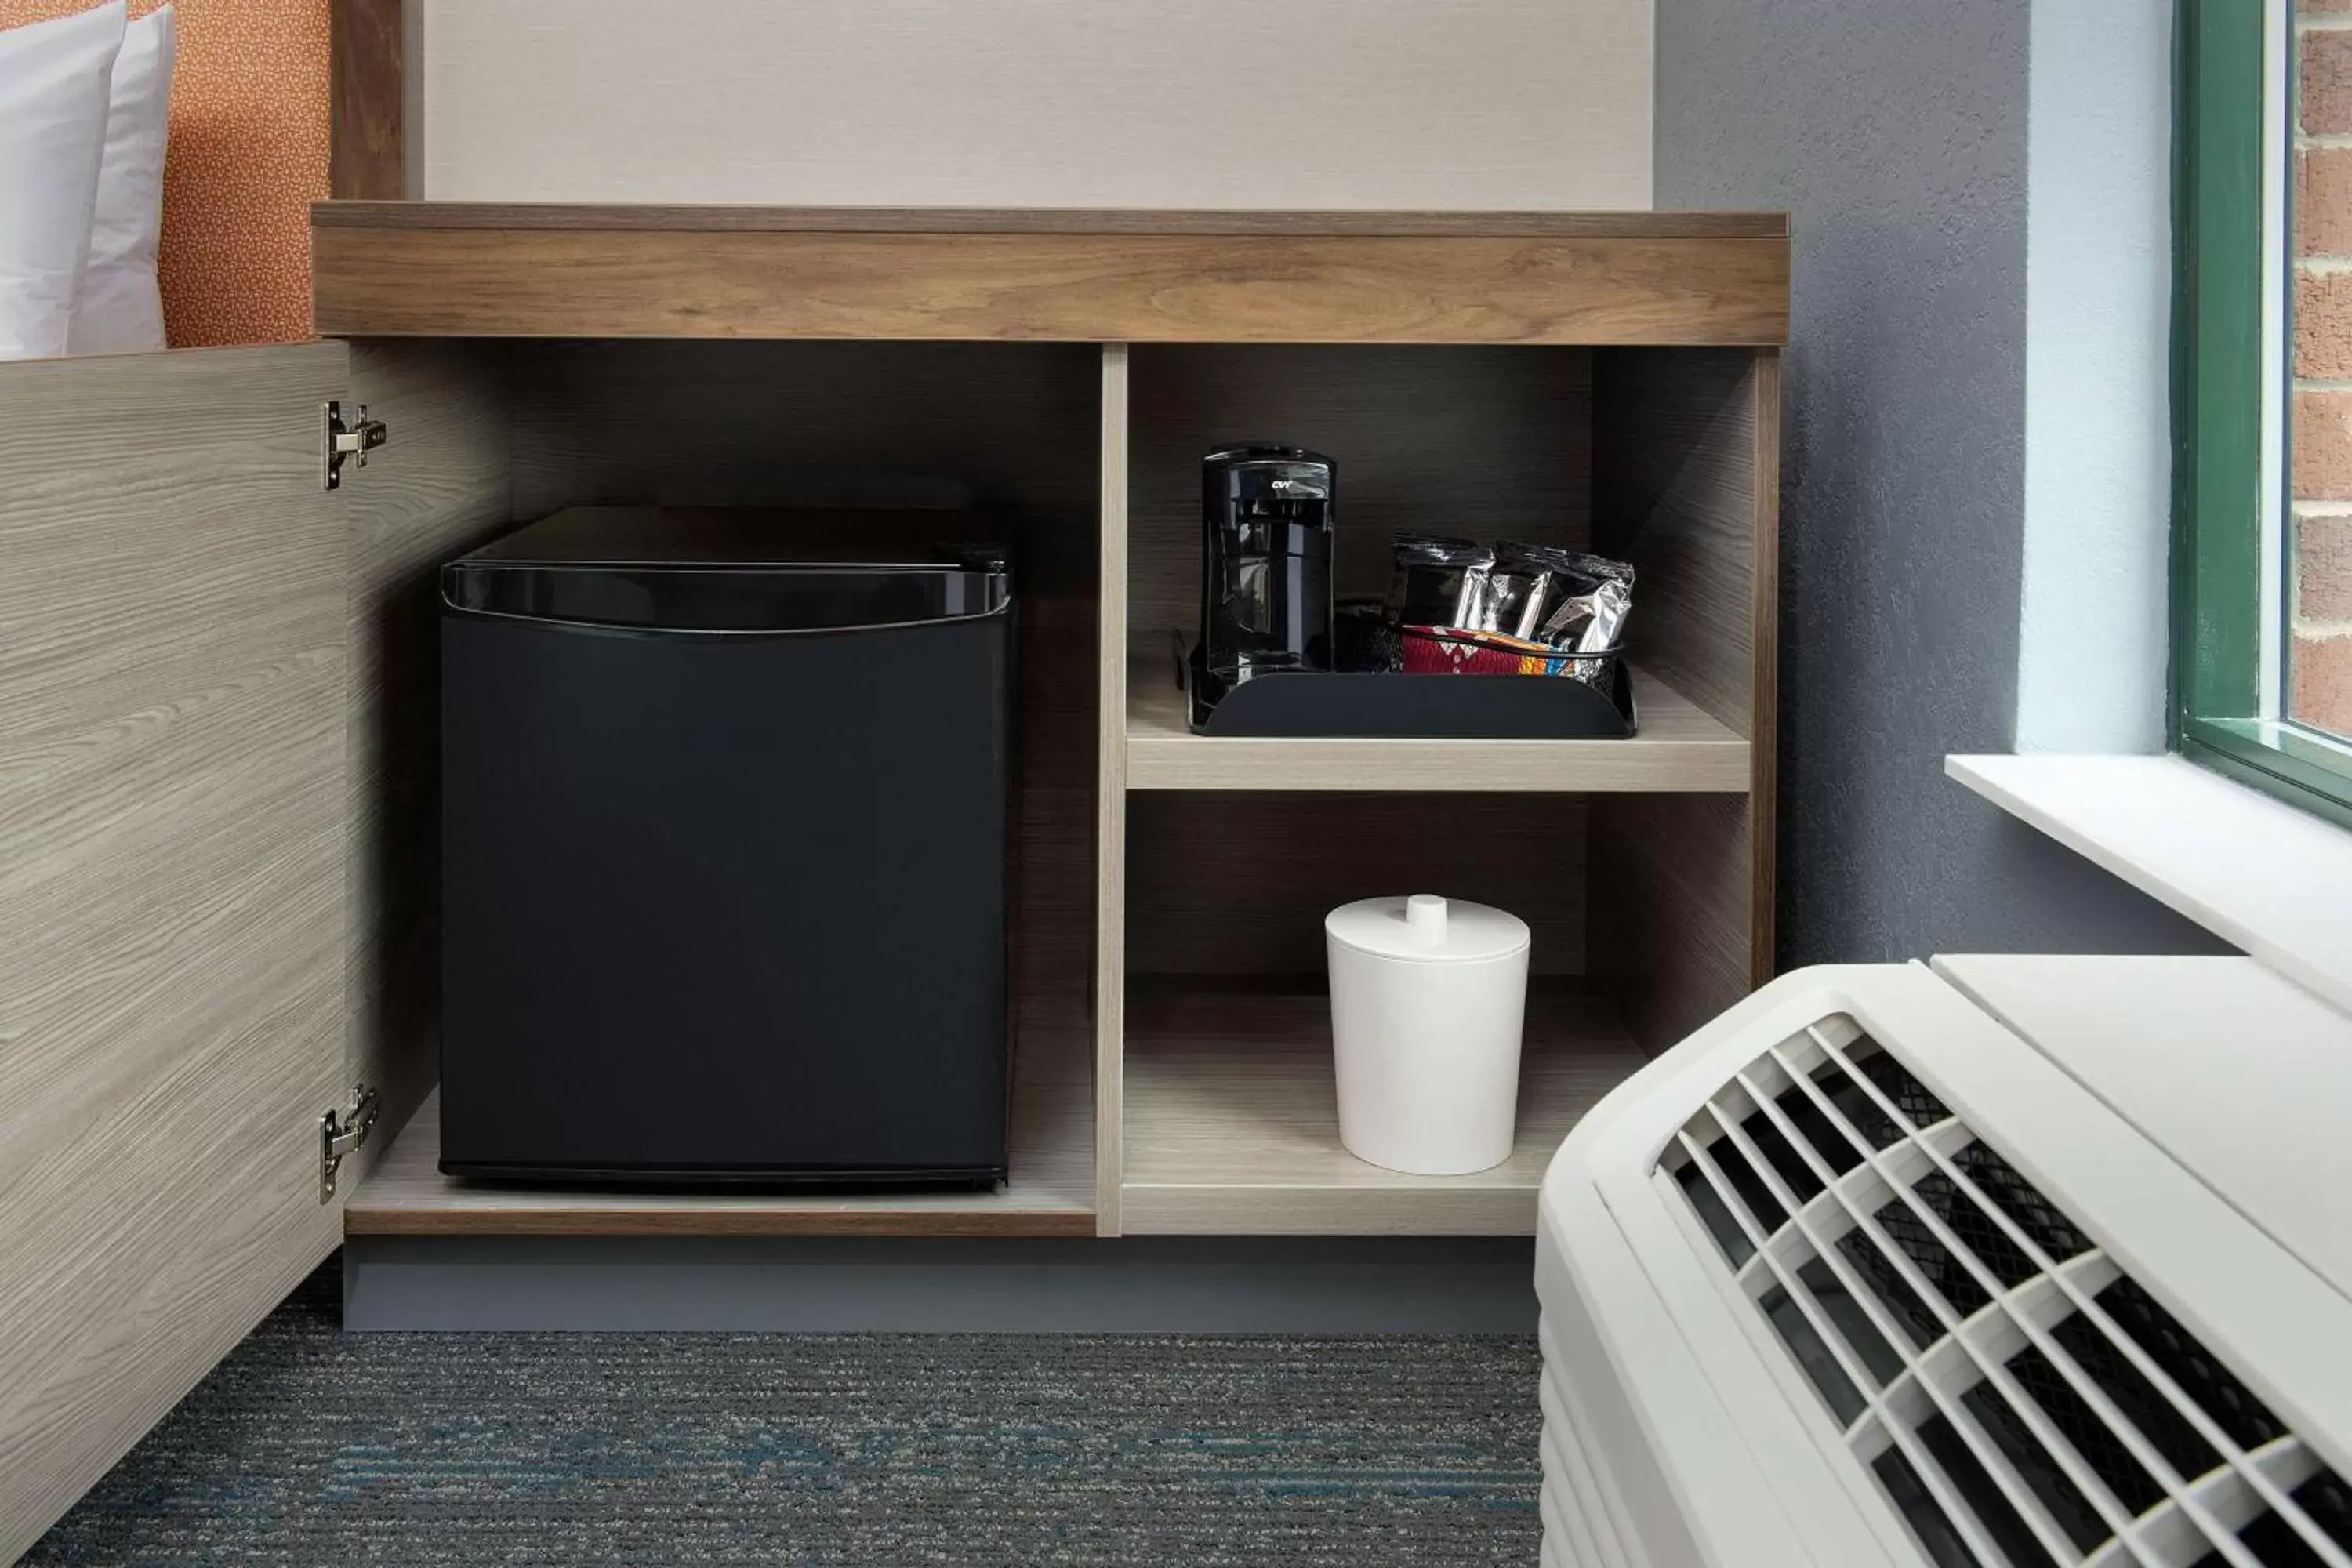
(173, 808)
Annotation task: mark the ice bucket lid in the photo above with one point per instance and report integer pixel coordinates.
(1425, 929)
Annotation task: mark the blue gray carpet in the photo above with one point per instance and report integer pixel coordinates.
(311, 1447)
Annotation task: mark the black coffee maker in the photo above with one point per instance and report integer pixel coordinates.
(1266, 514)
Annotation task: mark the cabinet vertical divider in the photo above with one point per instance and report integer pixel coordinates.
(1110, 799)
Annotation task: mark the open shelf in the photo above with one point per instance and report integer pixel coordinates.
(1051, 1192)
(1232, 1123)
(1680, 749)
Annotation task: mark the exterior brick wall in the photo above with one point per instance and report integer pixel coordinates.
(2319, 658)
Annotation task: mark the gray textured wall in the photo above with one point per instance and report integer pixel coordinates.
(1895, 132)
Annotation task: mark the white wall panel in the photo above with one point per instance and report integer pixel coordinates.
(1215, 103)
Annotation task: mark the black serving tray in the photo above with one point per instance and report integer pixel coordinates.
(1307, 703)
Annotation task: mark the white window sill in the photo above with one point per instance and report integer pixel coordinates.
(2256, 872)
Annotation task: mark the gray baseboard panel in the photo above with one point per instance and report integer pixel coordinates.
(1142, 1285)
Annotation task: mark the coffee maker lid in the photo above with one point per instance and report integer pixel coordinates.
(1260, 471)
(1265, 452)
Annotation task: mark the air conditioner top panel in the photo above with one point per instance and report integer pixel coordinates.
(2244, 1078)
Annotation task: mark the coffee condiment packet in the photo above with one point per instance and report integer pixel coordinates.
(1437, 580)
(1461, 650)
(1595, 596)
(1523, 586)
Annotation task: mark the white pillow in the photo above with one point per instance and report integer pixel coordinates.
(122, 310)
(54, 82)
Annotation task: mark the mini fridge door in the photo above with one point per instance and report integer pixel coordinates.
(725, 881)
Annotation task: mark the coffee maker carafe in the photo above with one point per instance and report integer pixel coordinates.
(1266, 572)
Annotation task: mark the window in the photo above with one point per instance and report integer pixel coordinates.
(2262, 616)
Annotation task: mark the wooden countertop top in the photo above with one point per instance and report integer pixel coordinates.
(1360, 223)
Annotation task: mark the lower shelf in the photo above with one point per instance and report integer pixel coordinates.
(1232, 1127)
(1050, 1192)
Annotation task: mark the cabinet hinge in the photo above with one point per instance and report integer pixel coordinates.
(352, 438)
(340, 1132)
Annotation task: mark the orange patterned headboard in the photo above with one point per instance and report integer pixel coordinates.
(248, 156)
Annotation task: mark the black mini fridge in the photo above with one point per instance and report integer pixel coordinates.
(723, 839)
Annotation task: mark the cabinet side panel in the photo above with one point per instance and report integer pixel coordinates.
(1764, 790)
(1672, 893)
(1675, 489)
(171, 896)
(1686, 486)
(439, 488)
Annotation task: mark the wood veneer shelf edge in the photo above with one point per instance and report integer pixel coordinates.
(397, 269)
(1680, 749)
(1110, 789)
(1050, 1193)
(681, 1217)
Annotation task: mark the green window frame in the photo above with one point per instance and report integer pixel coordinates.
(2218, 712)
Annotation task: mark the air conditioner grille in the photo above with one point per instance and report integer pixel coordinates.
(1851, 1321)
(1885, 1281)
(1942, 1268)
(1977, 1231)
(2064, 1500)
(2328, 1501)
(1921, 1512)
(1993, 1510)
(1814, 1354)
(2026, 1208)
(1903, 1089)
(2096, 1442)
(2135, 1397)
(2018, 1399)
(1866, 1114)
(2247, 1420)
(1802, 1182)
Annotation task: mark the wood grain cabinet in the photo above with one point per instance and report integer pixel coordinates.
(217, 738)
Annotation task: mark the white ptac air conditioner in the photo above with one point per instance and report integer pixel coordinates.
(2010, 1261)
